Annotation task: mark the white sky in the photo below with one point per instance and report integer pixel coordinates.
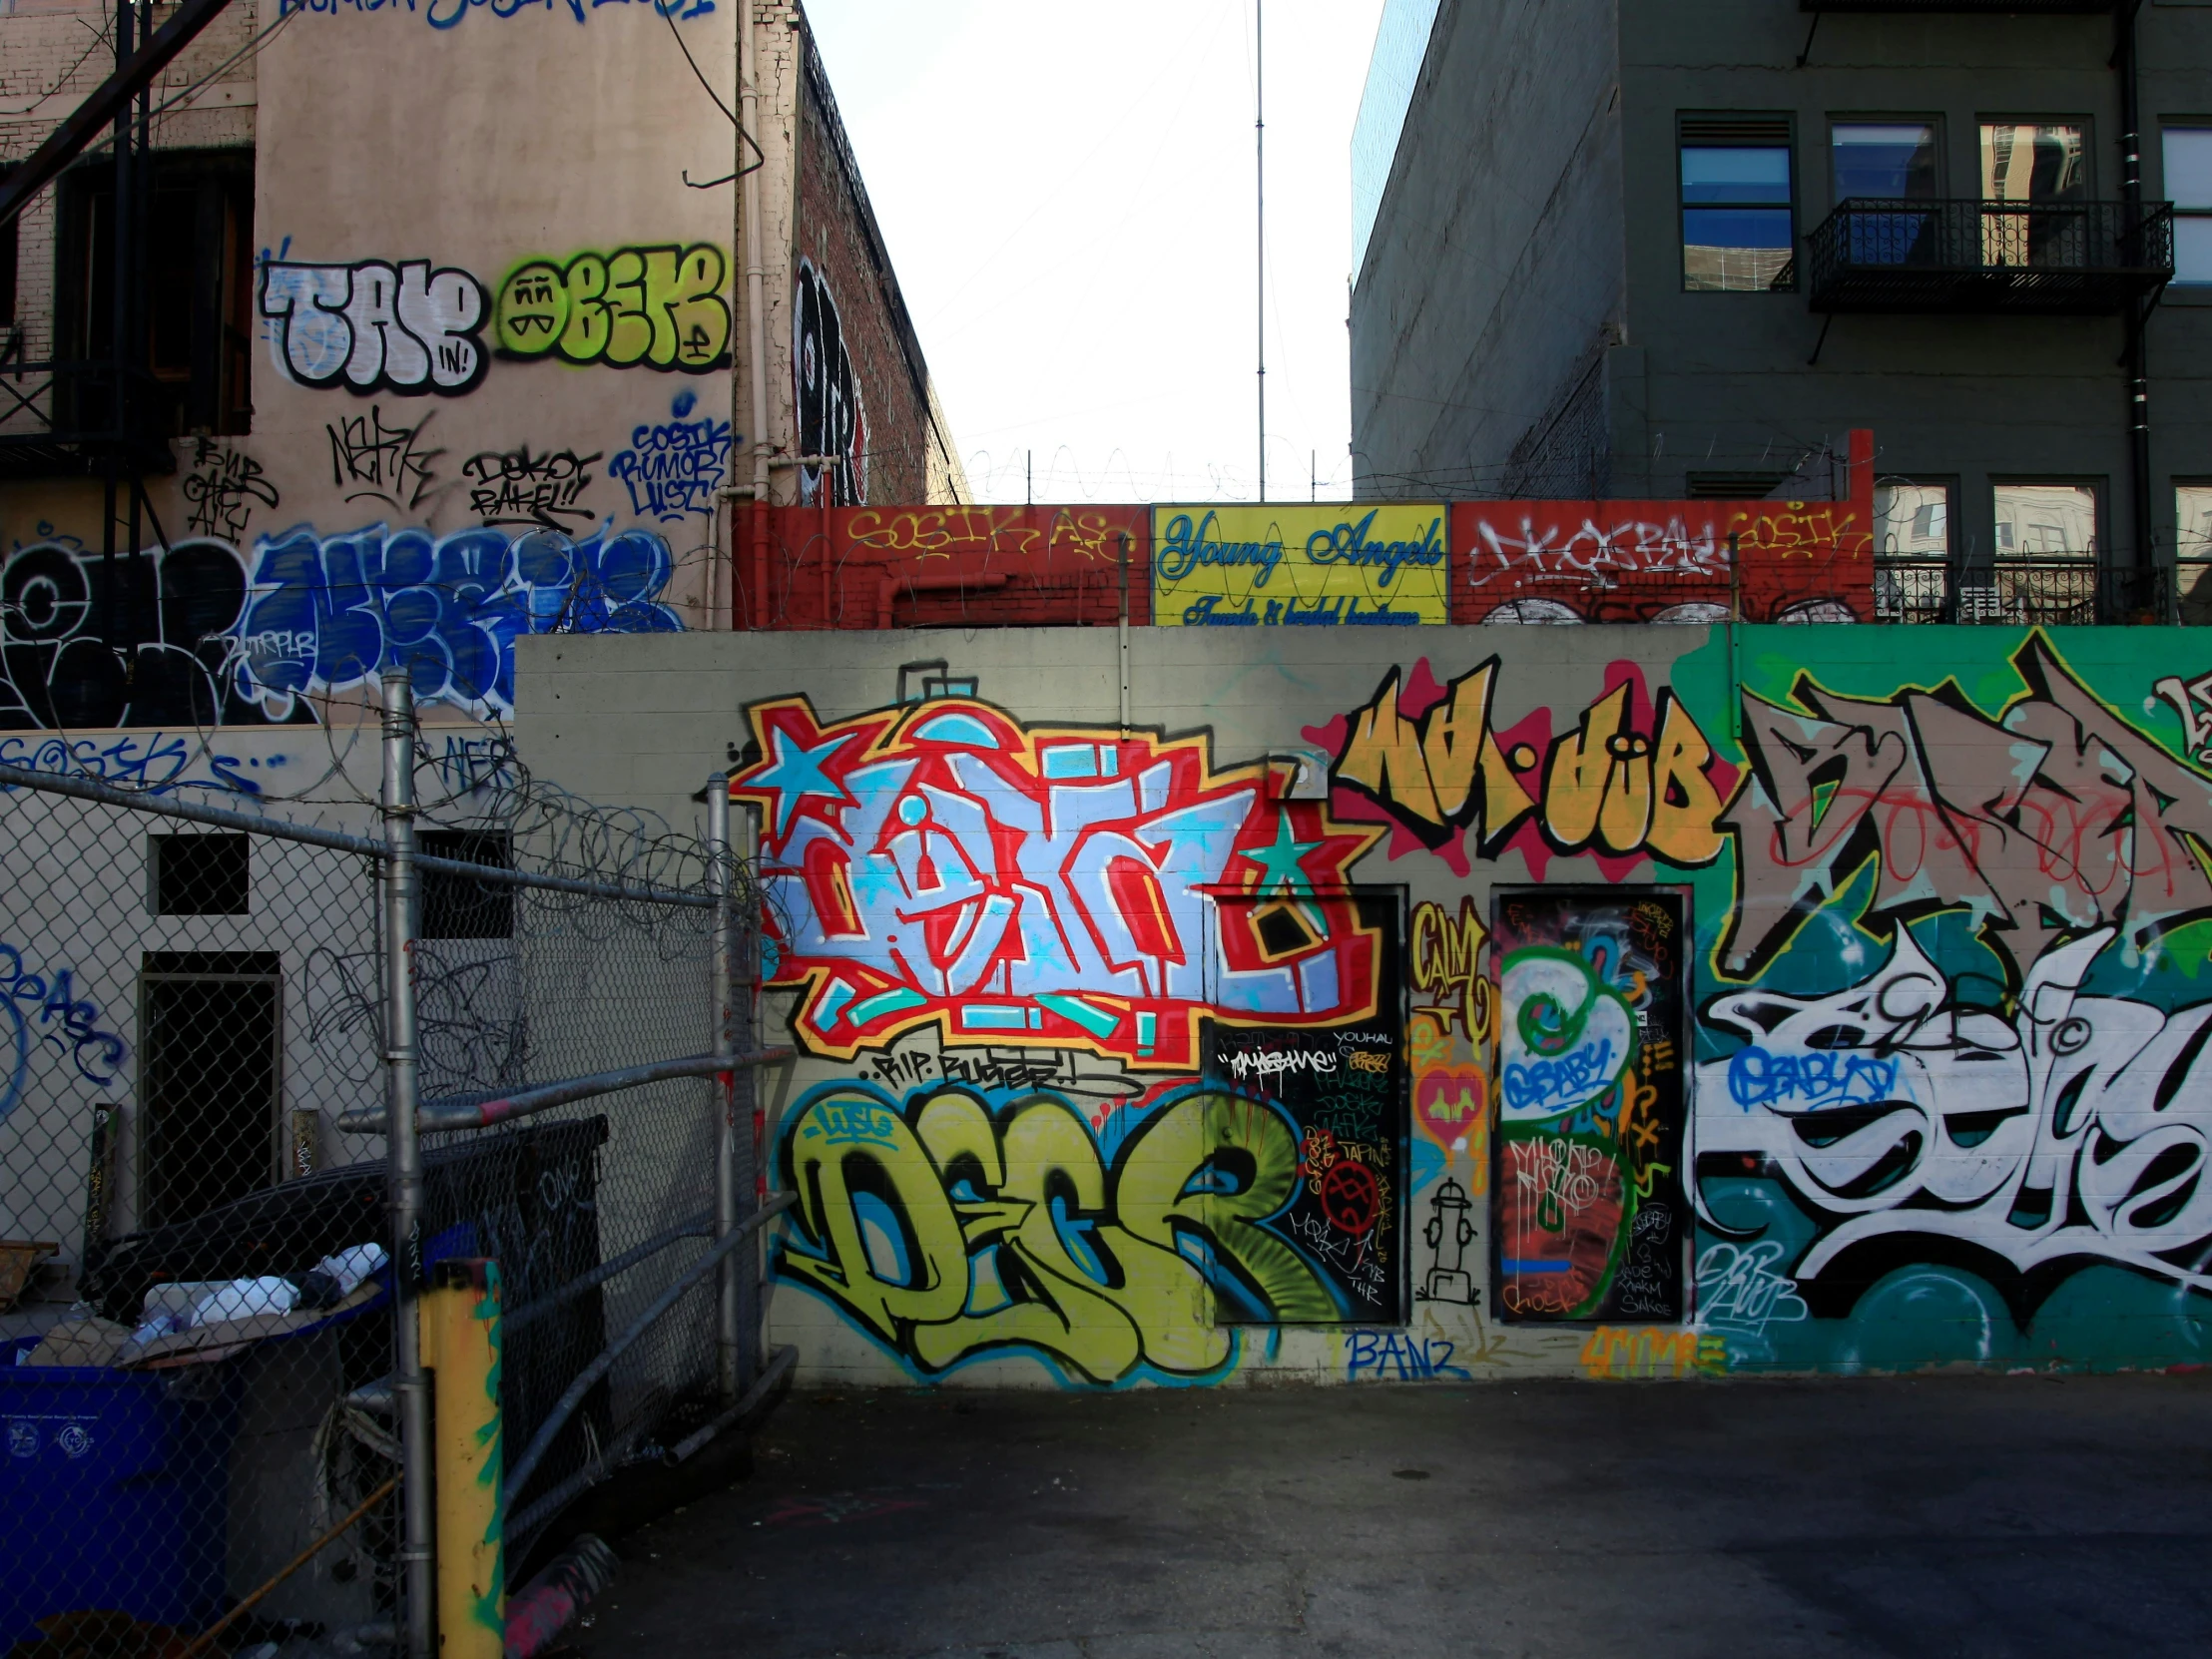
(1066, 187)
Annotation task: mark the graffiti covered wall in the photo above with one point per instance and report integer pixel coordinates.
(488, 399)
(1818, 999)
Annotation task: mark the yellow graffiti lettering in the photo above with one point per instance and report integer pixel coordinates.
(1581, 767)
(1617, 1353)
(1442, 770)
(947, 1231)
(1446, 963)
(661, 306)
(1606, 787)
(1685, 806)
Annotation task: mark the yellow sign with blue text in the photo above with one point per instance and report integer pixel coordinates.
(1326, 566)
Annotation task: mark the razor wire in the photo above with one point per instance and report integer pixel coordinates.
(198, 1370)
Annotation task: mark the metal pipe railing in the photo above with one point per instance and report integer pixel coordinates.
(698, 1227)
(519, 1477)
(418, 1542)
(445, 1116)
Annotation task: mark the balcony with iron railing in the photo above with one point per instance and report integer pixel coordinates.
(2046, 258)
(2025, 592)
(62, 418)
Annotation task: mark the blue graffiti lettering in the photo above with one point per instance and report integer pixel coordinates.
(329, 612)
(1757, 1077)
(1413, 1359)
(445, 14)
(673, 468)
(69, 1023)
(1563, 1080)
(155, 765)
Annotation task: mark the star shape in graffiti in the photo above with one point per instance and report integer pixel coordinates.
(796, 773)
(1279, 862)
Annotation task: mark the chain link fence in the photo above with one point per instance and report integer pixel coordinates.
(211, 1247)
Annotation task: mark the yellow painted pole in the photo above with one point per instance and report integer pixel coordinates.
(460, 1345)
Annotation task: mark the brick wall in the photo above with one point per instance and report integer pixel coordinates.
(856, 317)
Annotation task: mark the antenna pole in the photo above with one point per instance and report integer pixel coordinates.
(1260, 215)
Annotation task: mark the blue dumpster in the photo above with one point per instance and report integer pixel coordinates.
(113, 1491)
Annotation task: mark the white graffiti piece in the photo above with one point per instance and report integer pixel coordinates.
(2192, 700)
(1565, 1037)
(1631, 545)
(1741, 1290)
(1265, 1065)
(2077, 1127)
(376, 326)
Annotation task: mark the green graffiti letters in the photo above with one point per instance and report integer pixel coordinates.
(947, 1229)
(660, 306)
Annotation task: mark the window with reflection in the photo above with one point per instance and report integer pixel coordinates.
(1738, 227)
(1886, 161)
(2044, 162)
(2193, 551)
(2188, 159)
(1897, 160)
(2047, 521)
(1912, 523)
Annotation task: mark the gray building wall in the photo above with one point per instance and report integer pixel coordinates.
(1724, 381)
(1495, 267)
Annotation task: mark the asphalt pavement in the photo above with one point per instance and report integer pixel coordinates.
(1968, 1516)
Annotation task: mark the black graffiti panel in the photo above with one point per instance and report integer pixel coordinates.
(1343, 1205)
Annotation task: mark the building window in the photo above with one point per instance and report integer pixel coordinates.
(2193, 550)
(200, 874)
(2189, 188)
(2041, 162)
(2047, 521)
(1911, 521)
(1893, 159)
(1738, 227)
(198, 267)
(454, 906)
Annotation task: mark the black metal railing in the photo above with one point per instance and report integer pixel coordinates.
(1877, 253)
(2053, 592)
(59, 417)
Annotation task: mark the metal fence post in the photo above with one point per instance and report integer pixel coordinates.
(744, 1036)
(729, 1373)
(417, 1553)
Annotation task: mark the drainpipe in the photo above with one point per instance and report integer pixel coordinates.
(756, 322)
(2138, 312)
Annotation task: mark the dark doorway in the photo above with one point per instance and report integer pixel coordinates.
(209, 1094)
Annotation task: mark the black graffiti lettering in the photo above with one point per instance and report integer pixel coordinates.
(513, 486)
(385, 462)
(219, 486)
(833, 421)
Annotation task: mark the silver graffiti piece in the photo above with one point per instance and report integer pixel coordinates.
(2078, 1130)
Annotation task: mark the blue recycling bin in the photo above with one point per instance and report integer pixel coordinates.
(114, 1488)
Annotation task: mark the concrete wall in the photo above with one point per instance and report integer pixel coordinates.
(1911, 1085)
(1724, 381)
(1494, 269)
